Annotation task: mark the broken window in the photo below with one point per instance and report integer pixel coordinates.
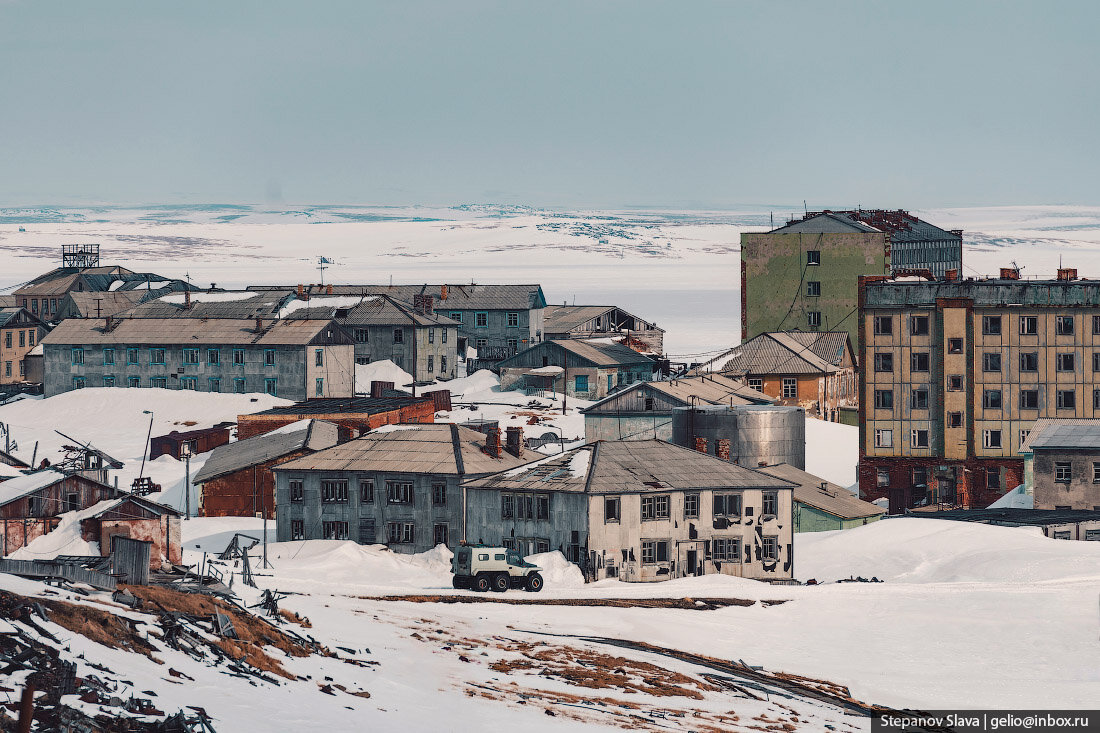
(919, 361)
(726, 549)
(884, 325)
(334, 491)
(654, 551)
(1029, 361)
(991, 361)
(813, 257)
(955, 383)
(297, 489)
(770, 503)
(611, 509)
(884, 399)
(399, 492)
(334, 530)
(954, 346)
(318, 357)
(1029, 325)
(884, 361)
(769, 549)
(297, 529)
(431, 335)
(918, 325)
(884, 438)
(507, 506)
(655, 507)
(1066, 399)
(399, 532)
(1029, 399)
(991, 399)
(366, 491)
(1063, 325)
(993, 478)
(691, 506)
(542, 505)
(361, 336)
(813, 289)
(431, 363)
(919, 438)
(991, 325)
(439, 495)
(1065, 362)
(954, 419)
(727, 505)
(991, 438)
(439, 534)
(918, 399)
(649, 404)
(1063, 472)
(882, 478)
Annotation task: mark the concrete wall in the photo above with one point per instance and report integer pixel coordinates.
(422, 513)
(16, 533)
(336, 371)
(608, 540)
(1080, 493)
(628, 427)
(568, 515)
(163, 532)
(497, 333)
(775, 273)
(292, 368)
(441, 343)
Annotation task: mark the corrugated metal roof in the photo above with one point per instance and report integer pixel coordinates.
(835, 500)
(786, 352)
(103, 304)
(459, 297)
(259, 304)
(712, 389)
(628, 466)
(1067, 433)
(376, 310)
(424, 449)
(232, 457)
(602, 354)
(564, 318)
(139, 331)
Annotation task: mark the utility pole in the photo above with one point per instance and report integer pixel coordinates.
(185, 451)
(148, 437)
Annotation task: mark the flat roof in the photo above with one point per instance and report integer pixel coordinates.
(350, 405)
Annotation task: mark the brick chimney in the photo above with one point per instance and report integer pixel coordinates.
(1067, 273)
(723, 448)
(442, 292)
(377, 388)
(187, 298)
(701, 445)
(302, 295)
(1010, 273)
(951, 275)
(513, 441)
(259, 324)
(329, 289)
(492, 442)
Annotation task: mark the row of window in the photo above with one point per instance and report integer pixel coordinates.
(992, 399)
(22, 368)
(1063, 472)
(722, 549)
(920, 361)
(991, 326)
(654, 508)
(397, 533)
(48, 307)
(481, 318)
(190, 356)
(919, 477)
(336, 491)
(214, 384)
(26, 338)
(919, 438)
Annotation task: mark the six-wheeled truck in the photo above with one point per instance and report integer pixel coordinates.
(493, 568)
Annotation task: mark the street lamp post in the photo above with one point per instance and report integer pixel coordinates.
(185, 452)
(148, 437)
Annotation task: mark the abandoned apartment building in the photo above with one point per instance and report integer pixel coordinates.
(20, 332)
(802, 276)
(399, 485)
(294, 359)
(956, 373)
(1062, 464)
(642, 510)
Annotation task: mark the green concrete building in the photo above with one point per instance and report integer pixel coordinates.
(803, 276)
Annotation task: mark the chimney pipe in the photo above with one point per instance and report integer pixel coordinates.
(1067, 273)
(701, 445)
(259, 324)
(492, 442)
(442, 292)
(330, 289)
(187, 298)
(301, 292)
(723, 449)
(1010, 273)
(514, 440)
(951, 275)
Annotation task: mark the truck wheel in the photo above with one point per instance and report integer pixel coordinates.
(482, 583)
(501, 582)
(534, 582)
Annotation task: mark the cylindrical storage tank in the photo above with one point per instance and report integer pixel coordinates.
(770, 434)
(757, 433)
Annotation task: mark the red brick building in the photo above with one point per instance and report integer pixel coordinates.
(354, 416)
(138, 519)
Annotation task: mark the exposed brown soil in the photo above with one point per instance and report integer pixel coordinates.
(690, 604)
(294, 618)
(102, 627)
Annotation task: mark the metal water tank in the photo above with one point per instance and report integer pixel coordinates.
(757, 433)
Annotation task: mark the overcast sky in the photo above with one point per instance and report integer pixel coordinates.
(574, 104)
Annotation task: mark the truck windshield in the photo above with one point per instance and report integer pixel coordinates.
(514, 558)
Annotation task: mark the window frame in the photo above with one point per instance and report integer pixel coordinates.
(991, 326)
(616, 516)
(919, 325)
(883, 326)
(1029, 325)
(659, 507)
(400, 492)
(884, 438)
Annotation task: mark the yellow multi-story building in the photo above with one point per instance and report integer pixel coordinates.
(955, 373)
(20, 331)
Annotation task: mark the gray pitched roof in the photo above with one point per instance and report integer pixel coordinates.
(628, 466)
(259, 449)
(372, 310)
(458, 297)
(196, 331)
(211, 305)
(565, 318)
(1064, 433)
(832, 499)
(785, 352)
(103, 304)
(900, 225)
(592, 352)
(438, 448)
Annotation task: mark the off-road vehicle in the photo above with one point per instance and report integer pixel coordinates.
(493, 568)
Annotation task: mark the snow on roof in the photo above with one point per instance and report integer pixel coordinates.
(17, 488)
(335, 301)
